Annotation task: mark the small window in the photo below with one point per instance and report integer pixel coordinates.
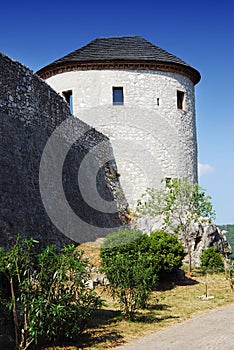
(68, 98)
(168, 180)
(180, 99)
(118, 98)
(157, 101)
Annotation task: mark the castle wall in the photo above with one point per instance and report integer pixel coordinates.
(152, 138)
(30, 113)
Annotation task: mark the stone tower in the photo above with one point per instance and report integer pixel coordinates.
(142, 98)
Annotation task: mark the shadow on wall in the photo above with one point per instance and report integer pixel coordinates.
(30, 111)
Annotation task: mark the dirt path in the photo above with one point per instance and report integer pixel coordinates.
(212, 331)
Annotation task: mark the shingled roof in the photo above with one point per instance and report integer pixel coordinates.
(125, 49)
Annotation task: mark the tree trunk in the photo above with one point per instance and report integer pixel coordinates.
(189, 263)
(15, 318)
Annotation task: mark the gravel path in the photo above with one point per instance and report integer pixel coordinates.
(211, 331)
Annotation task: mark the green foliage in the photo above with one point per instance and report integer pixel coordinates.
(166, 251)
(181, 205)
(48, 297)
(133, 261)
(122, 238)
(130, 274)
(212, 260)
(229, 234)
(131, 281)
(180, 198)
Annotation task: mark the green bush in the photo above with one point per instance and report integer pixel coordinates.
(48, 297)
(133, 261)
(211, 259)
(129, 272)
(166, 253)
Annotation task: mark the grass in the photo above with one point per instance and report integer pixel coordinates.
(171, 303)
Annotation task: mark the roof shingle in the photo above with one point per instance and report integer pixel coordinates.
(120, 48)
(125, 48)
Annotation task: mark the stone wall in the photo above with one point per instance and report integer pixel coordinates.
(152, 138)
(30, 112)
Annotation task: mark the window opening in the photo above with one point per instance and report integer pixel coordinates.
(118, 98)
(180, 99)
(168, 180)
(68, 98)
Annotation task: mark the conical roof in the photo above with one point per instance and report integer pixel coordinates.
(125, 49)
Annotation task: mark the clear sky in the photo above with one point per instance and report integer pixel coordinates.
(199, 32)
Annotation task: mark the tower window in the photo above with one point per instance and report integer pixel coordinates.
(157, 101)
(118, 98)
(168, 180)
(68, 98)
(180, 99)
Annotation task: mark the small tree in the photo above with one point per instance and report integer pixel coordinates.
(47, 295)
(133, 261)
(129, 272)
(211, 259)
(181, 205)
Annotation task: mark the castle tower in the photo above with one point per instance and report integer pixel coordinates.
(142, 98)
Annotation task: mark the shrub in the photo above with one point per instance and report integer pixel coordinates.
(133, 261)
(166, 251)
(48, 297)
(129, 272)
(211, 259)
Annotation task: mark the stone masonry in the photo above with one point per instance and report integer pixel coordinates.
(151, 141)
(30, 111)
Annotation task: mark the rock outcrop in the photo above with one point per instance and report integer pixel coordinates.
(209, 235)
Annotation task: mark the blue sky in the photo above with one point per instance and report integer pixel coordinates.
(200, 32)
